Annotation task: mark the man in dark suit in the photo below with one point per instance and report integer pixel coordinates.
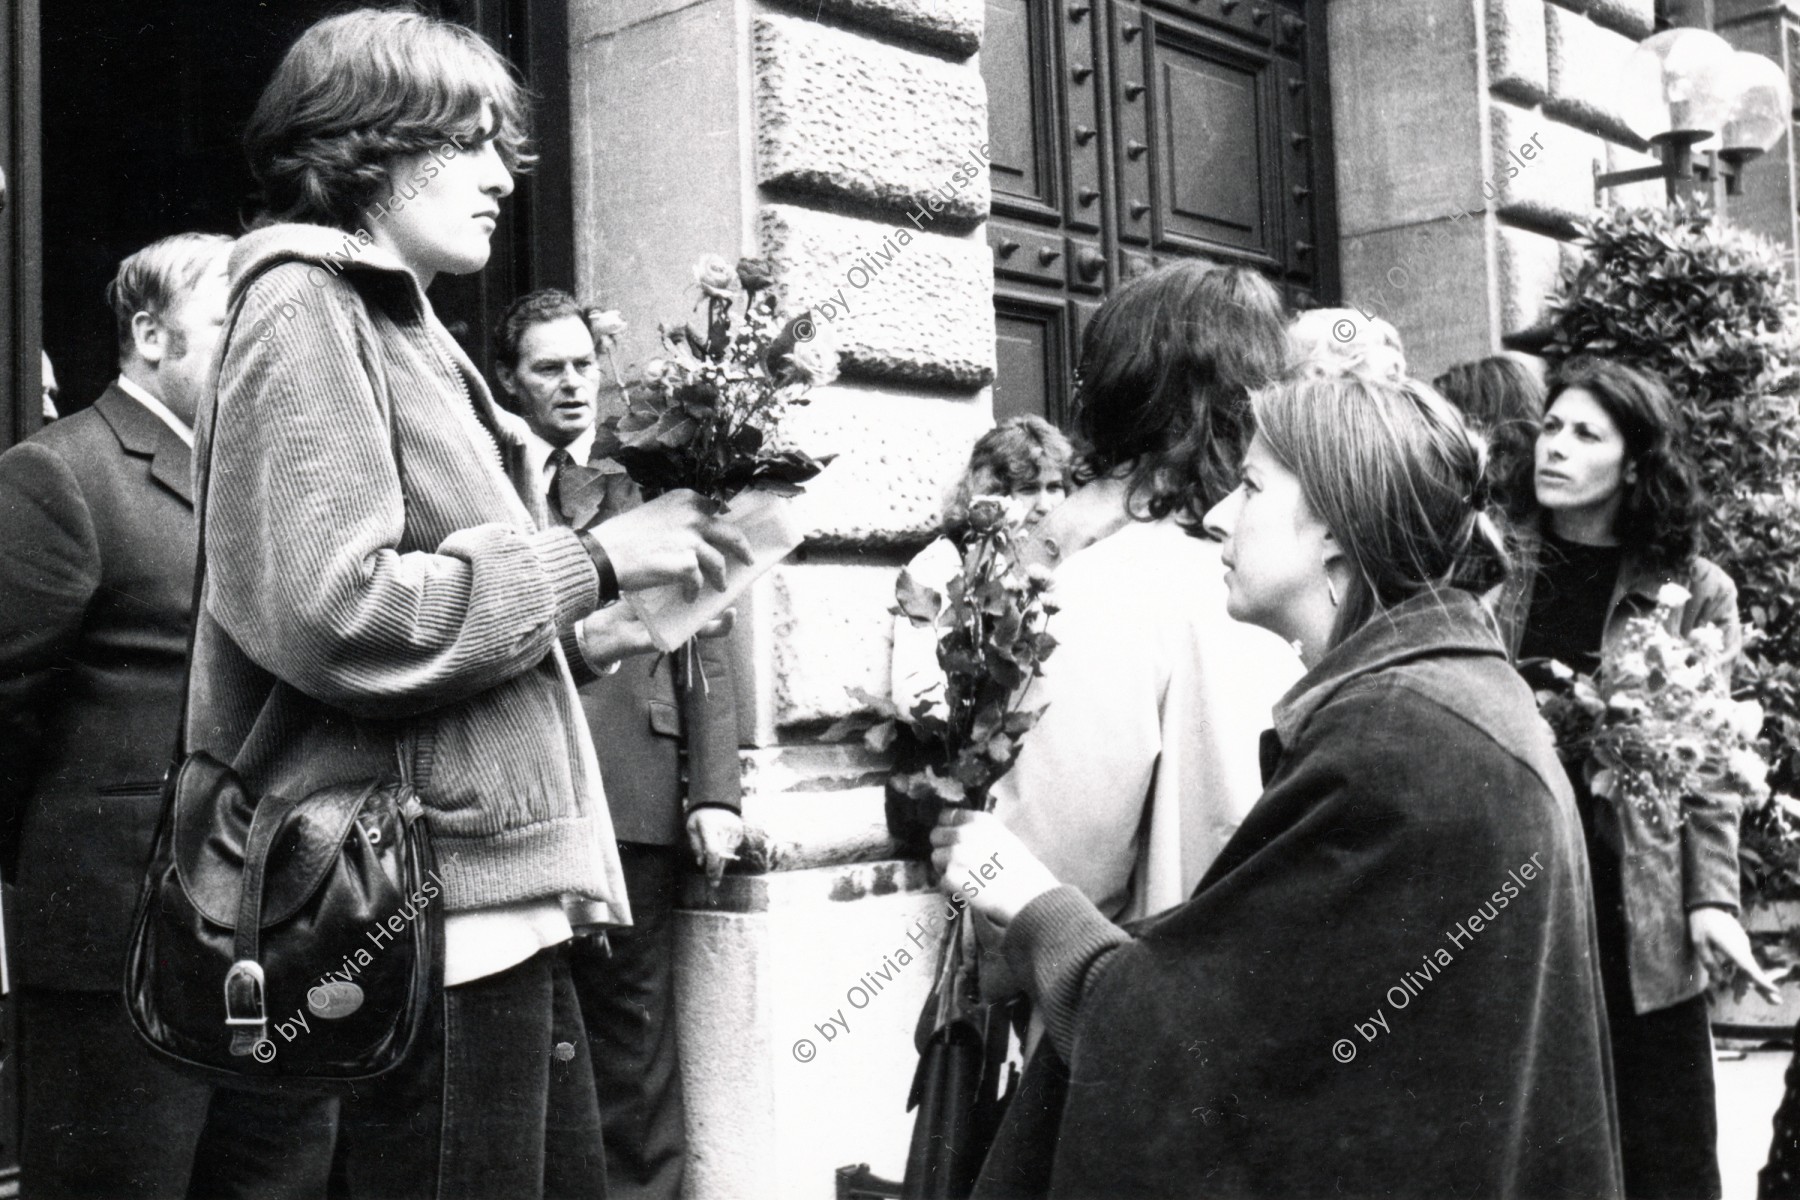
(665, 730)
(96, 590)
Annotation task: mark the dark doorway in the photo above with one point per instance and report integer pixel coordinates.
(143, 110)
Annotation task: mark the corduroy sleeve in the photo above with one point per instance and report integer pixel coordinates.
(1057, 944)
(305, 517)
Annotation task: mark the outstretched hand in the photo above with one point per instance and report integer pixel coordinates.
(614, 633)
(1724, 947)
(984, 863)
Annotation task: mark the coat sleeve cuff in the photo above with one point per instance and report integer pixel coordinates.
(573, 578)
(1709, 857)
(1054, 946)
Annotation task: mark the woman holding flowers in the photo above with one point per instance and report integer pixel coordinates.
(384, 597)
(1383, 985)
(1616, 522)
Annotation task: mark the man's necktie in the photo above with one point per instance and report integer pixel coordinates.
(559, 458)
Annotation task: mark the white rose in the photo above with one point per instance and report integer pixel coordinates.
(1747, 719)
(1673, 595)
(1709, 638)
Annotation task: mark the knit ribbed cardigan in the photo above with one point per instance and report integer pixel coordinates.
(347, 631)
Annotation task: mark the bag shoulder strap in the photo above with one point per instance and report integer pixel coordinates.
(383, 398)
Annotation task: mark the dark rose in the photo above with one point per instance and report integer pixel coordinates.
(755, 274)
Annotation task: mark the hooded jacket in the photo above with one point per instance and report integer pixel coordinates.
(379, 599)
(1386, 985)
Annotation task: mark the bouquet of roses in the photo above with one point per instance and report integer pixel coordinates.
(991, 642)
(1657, 723)
(960, 737)
(708, 416)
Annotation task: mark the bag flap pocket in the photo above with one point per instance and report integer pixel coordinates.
(665, 719)
(212, 825)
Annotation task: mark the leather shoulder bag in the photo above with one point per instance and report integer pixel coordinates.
(284, 943)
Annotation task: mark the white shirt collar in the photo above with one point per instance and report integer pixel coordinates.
(182, 429)
(540, 451)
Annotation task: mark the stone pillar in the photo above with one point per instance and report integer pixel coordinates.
(1467, 139)
(840, 139)
(1768, 195)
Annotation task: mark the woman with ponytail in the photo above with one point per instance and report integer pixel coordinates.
(1384, 985)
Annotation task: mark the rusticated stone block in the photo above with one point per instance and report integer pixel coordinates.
(844, 116)
(1517, 59)
(1542, 171)
(899, 303)
(898, 456)
(1427, 282)
(1528, 267)
(1633, 18)
(1586, 64)
(1407, 140)
(832, 632)
(953, 25)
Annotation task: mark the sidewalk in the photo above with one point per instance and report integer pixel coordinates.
(1749, 1089)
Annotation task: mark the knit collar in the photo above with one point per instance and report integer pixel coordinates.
(1450, 621)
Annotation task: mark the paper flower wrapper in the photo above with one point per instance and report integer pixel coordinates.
(774, 528)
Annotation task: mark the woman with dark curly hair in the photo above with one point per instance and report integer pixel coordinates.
(1501, 397)
(1145, 759)
(1617, 516)
(384, 595)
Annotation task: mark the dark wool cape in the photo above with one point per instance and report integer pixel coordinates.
(1386, 985)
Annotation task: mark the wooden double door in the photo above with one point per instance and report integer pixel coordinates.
(1126, 134)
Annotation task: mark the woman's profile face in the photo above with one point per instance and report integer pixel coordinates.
(443, 204)
(1275, 547)
(1032, 499)
(1581, 461)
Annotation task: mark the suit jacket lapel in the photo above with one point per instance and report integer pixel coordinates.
(173, 466)
(142, 433)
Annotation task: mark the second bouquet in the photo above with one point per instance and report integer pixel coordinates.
(708, 417)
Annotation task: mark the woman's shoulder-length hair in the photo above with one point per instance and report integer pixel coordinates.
(1662, 509)
(356, 91)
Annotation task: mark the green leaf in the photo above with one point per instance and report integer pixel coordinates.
(918, 603)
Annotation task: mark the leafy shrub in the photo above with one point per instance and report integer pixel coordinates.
(1708, 309)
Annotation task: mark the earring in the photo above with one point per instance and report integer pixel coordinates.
(1331, 591)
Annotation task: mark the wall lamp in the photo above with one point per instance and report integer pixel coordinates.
(1707, 109)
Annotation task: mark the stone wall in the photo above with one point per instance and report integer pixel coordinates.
(1467, 139)
(843, 140)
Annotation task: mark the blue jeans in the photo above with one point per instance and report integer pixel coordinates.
(628, 1000)
(497, 1101)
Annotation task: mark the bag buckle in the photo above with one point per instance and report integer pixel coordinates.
(245, 1013)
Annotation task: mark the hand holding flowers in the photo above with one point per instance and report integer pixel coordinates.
(1657, 723)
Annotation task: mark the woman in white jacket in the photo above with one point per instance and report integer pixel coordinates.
(1146, 759)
